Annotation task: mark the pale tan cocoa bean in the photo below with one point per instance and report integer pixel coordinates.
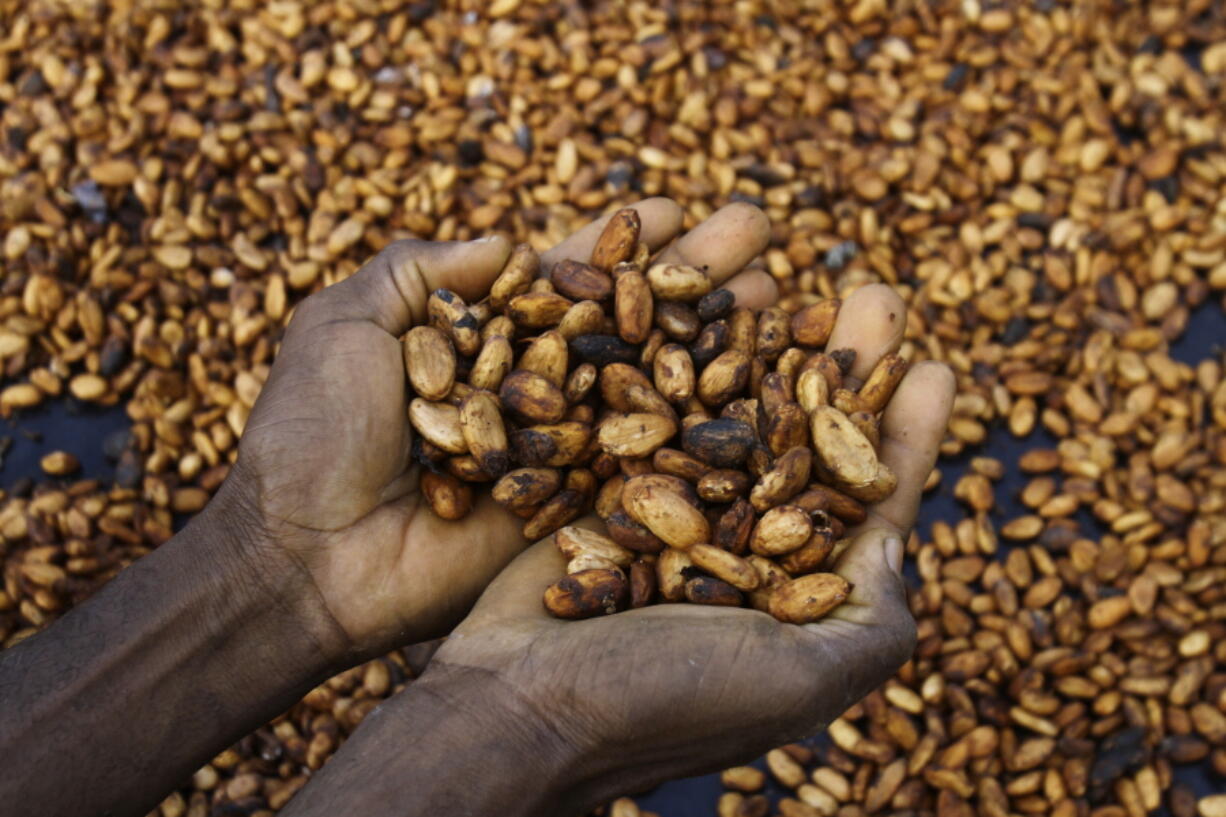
(517, 275)
(725, 566)
(492, 364)
(724, 378)
(781, 530)
(809, 598)
(743, 331)
(673, 371)
(590, 561)
(579, 383)
(450, 315)
(785, 479)
(666, 513)
(573, 541)
(609, 496)
(670, 576)
(584, 318)
(439, 423)
(812, 390)
(679, 464)
(841, 448)
(724, 485)
(548, 356)
(644, 399)
(678, 282)
(615, 380)
(634, 435)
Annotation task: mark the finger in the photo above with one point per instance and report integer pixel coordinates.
(877, 600)
(723, 244)
(753, 288)
(517, 592)
(391, 289)
(912, 427)
(660, 219)
(871, 321)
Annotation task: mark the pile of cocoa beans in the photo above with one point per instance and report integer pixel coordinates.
(721, 447)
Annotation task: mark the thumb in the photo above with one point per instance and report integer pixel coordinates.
(873, 565)
(391, 289)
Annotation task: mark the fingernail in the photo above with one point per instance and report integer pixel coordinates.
(893, 552)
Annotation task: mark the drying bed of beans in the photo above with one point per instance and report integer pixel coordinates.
(1041, 181)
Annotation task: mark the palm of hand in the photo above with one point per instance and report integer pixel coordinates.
(347, 507)
(695, 688)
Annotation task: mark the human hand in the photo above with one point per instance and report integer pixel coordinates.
(325, 485)
(672, 690)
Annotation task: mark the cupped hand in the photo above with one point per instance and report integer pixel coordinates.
(677, 689)
(325, 484)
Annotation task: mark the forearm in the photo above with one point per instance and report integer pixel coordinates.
(453, 746)
(177, 657)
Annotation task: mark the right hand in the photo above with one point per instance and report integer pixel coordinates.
(677, 689)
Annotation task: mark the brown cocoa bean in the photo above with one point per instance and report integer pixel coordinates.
(618, 240)
(532, 397)
(580, 282)
(523, 487)
(705, 590)
(447, 496)
(586, 594)
(633, 307)
(484, 433)
(719, 443)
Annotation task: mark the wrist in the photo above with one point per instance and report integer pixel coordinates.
(497, 727)
(175, 659)
(476, 748)
(264, 593)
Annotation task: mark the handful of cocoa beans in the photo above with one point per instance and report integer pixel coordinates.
(721, 447)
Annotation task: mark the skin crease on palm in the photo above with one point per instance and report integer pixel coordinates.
(327, 446)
